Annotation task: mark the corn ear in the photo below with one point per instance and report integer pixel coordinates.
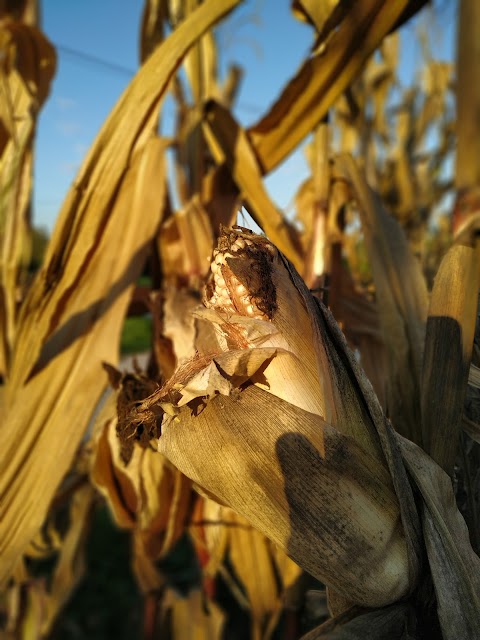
(318, 482)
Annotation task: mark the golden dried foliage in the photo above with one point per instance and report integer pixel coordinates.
(27, 67)
(278, 447)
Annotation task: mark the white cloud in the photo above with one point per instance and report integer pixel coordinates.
(68, 128)
(63, 103)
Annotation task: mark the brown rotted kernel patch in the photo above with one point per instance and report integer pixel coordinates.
(132, 390)
(253, 267)
(265, 295)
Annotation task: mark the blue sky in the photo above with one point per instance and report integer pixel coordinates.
(261, 35)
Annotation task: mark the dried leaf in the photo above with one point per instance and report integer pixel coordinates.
(72, 318)
(392, 622)
(23, 10)
(230, 144)
(251, 557)
(471, 428)
(152, 27)
(210, 536)
(201, 67)
(220, 197)
(467, 176)
(186, 243)
(34, 602)
(109, 477)
(474, 376)
(178, 322)
(402, 302)
(454, 565)
(147, 494)
(26, 70)
(318, 231)
(321, 79)
(324, 16)
(448, 349)
(193, 617)
(70, 361)
(287, 570)
(70, 566)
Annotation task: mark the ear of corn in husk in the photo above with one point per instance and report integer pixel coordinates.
(278, 423)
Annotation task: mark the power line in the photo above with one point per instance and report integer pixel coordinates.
(87, 57)
(126, 72)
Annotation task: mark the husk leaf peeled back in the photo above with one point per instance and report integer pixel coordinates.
(314, 468)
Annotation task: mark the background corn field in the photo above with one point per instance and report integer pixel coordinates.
(299, 456)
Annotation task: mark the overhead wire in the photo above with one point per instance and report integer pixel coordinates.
(126, 71)
(95, 60)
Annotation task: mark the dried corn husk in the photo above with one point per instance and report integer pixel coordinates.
(454, 566)
(302, 483)
(311, 470)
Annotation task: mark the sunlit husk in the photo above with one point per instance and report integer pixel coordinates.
(309, 488)
(307, 469)
(299, 325)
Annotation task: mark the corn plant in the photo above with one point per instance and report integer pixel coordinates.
(309, 412)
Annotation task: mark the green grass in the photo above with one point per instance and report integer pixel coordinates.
(136, 334)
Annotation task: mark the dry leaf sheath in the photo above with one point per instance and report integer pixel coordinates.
(273, 422)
